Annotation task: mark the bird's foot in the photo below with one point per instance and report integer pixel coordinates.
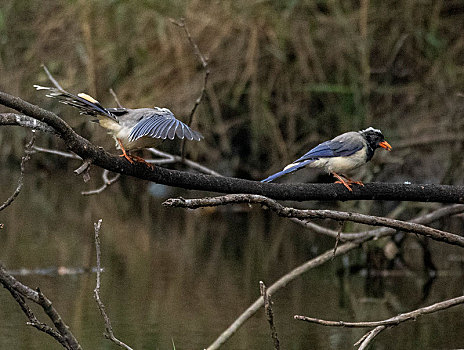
(131, 158)
(351, 181)
(346, 181)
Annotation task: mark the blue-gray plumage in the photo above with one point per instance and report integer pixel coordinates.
(345, 152)
(131, 128)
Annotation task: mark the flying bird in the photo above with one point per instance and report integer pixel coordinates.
(133, 129)
(343, 153)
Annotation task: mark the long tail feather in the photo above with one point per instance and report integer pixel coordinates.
(288, 169)
(85, 103)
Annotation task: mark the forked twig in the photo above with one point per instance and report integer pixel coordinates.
(269, 314)
(108, 328)
(21, 292)
(24, 159)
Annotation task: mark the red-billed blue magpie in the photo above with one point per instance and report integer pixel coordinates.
(131, 128)
(345, 152)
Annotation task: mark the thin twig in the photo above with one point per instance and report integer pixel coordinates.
(383, 231)
(52, 79)
(392, 321)
(381, 325)
(56, 152)
(116, 99)
(269, 314)
(289, 212)
(24, 159)
(337, 239)
(106, 182)
(108, 328)
(170, 158)
(204, 63)
(369, 336)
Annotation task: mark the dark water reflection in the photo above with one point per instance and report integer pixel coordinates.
(183, 276)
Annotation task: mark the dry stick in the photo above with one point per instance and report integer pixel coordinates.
(381, 232)
(269, 313)
(106, 182)
(392, 321)
(33, 321)
(108, 328)
(337, 239)
(321, 259)
(204, 63)
(280, 283)
(367, 338)
(56, 152)
(170, 158)
(288, 212)
(202, 182)
(66, 338)
(116, 99)
(24, 159)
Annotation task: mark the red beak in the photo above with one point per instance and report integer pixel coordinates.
(385, 145)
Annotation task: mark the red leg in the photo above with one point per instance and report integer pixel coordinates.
(124, 154)
(131, 158)
(342, 181)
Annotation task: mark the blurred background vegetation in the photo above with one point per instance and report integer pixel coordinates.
(285, 75)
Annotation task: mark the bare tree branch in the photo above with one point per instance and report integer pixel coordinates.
(33, 321)
(381, 325)
(319, 260)
(182, 179)
(63, 334)
(26, 122)
(383, 231)
(109, 334)
(106, 182)
(393, 321)
(269, 314)
(24, 159)
(283, 211)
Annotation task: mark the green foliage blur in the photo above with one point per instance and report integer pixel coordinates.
(285, 75)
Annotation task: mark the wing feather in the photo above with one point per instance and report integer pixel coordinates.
(161, 123)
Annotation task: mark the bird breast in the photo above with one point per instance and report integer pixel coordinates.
(342, 164)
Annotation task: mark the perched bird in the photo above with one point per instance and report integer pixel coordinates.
(132, 129)
(345, 152)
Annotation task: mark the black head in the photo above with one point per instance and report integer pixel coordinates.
(374, 139)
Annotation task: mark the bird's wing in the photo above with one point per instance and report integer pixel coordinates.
(334, 148)
(161, 123)
(85, 103)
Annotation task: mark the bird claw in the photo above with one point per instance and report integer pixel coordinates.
(131, 158)
(345, 181)
(344, 184)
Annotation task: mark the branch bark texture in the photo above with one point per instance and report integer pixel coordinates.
(194, 181)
